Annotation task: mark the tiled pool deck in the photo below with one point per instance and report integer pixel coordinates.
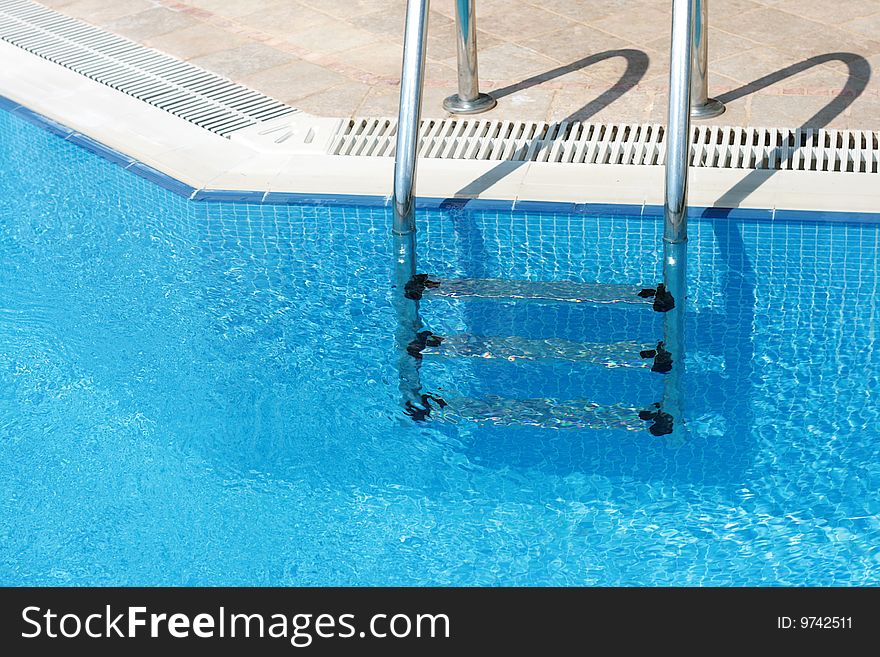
(776, 63)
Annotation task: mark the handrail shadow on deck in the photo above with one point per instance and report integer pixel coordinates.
(636, 67)
(859, 73)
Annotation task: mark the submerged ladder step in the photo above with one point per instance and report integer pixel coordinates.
(543, 413)
(511, 348)
(502, 289)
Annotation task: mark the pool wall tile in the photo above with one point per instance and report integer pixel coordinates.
(228, 195)
(545, 206)
(286, 198)
(822, 215)
(7, 104)
(161, 179)
(42, 121)
(96, 147)
(611, 209)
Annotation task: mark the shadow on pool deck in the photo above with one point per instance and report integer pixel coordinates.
(859, 75)
(636, 66)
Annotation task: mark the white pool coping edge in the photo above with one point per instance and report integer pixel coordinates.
(206, 161)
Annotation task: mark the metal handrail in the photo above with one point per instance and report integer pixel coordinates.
(702, 107)
(678, 122)
(468, 100)
(404, 225)
(409, 114)
(675, 204)
(675, 199)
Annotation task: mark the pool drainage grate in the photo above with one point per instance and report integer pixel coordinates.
(190, 92)
(224, 107)
(721, 147)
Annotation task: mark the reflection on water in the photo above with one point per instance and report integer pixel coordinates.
(210, 393)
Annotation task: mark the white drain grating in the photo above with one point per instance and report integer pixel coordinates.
(201, 97)
(722, 147)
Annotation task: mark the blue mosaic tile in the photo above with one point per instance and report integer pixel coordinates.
(228, 195)
(286, 198)
(545, 206)
(96, 147)
(163, 180)
(42, 121)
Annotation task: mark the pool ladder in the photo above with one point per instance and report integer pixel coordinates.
(687, 83)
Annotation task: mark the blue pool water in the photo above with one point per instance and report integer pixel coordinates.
(207, 393)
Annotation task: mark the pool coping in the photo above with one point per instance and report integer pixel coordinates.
(201, 166)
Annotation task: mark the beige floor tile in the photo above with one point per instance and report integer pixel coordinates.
(384, 59)
(342, 100)
(721, 44)
(571, 44)
(868, 26)
(509, 61)
(293, 80)
(246, 60)
(529, 105)
(835, 115)
(829, 12)
(721, 84)
(195, 41)
(99, 12)
(767, 26)
(344, 37)
(817, 81)
(628, 68)
(523, 20)
(151, 23)
(488, 7)
(389, 26)
(829, 39)
(587, 11)
(616, 106)
(389, 23)
(347, 8)
(336, 57)
(235, 8)
(651, 22)
(864, 113)
(658, 67)
(754, 65)
(735, 113)
(283, 19)
(793, 111)
(725, 9)
(384, 101)
(442, 45)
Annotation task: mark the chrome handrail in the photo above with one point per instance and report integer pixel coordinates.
(409, 114)
(675, 199)
(404, 224)
(702, 107)
(678, 123)
(468, 100)
(675, 205)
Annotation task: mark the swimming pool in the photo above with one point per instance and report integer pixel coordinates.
(207, 393)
